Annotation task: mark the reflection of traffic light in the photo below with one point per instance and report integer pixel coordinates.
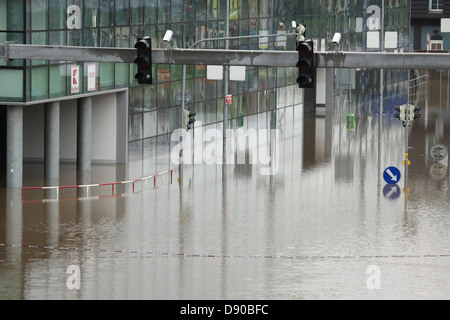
(144, 60)
(402, 114)
(189, 119)
(305, 64)
(414, 112)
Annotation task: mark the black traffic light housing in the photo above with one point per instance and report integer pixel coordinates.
(305, 64)
(144, 60)
(189, 119)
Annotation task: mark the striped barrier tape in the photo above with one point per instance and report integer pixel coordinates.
(111, 184)
(193, 255)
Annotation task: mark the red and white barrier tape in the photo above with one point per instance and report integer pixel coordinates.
(192, 255)
(112, 184)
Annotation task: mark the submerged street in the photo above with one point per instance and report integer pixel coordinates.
(325, 226)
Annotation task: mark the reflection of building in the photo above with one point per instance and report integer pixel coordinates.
(131, 122)
(426, 33)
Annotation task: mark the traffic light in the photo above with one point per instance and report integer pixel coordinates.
(144, 60)
(305, 64)
(414, 112)
(189, 119)
(402, 114)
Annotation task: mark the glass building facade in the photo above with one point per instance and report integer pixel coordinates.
(153, 108)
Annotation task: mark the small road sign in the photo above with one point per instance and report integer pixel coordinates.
(439, 152)
(392, 175)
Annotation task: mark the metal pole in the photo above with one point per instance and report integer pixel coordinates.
(381, 103)
(183, 98)
(226, 86)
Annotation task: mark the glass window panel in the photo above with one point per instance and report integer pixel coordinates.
(163, 121)
(135, 150)
(176, 10)
(122, 12)
(200, 110)
(91, 13)
(90, 37)
(162, 97)
(39, 83)
(11, 84)
(57, 38)
(135, 126)
(136, 99)
(106, 9)
(122, 74)
(243, 8)
(58, 81)
(150, 124)
(74, 38)
(149, 97)
(150, 156)
(106, 76)
(57, 14)
(211, 111)
(175, 90)
(199, 89)
(137, 11)
(174, 120)
(122, 37)
(150, 11)
(199, 7)
(163, 152)
(106, 37)
(39, 15)
(163, 11)
(211, 89)
(11, 15)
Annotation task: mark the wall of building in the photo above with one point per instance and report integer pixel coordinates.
(103, 130)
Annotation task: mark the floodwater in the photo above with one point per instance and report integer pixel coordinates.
(325, 225)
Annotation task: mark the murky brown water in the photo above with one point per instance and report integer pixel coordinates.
(324, 227)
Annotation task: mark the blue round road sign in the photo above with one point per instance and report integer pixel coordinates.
(392, 175)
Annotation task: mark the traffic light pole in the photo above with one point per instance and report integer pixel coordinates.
(263, 58)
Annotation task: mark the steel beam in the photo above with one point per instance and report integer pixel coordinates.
(366, 60)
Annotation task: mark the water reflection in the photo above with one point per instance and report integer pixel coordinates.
(327, 200)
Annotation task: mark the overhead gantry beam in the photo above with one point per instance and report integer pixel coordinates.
(365, 60)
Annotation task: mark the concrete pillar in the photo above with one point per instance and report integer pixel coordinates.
(14, 147)
(84, 134)
(2, 146)
(51, 145)
(329, 90)
(122, 127)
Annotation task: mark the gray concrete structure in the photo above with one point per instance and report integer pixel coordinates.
(84, 134)
(14, 146)
(51, 144)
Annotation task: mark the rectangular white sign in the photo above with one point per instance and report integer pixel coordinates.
(92, 71)
(75, 79)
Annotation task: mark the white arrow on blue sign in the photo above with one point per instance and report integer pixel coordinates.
(392, 175)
